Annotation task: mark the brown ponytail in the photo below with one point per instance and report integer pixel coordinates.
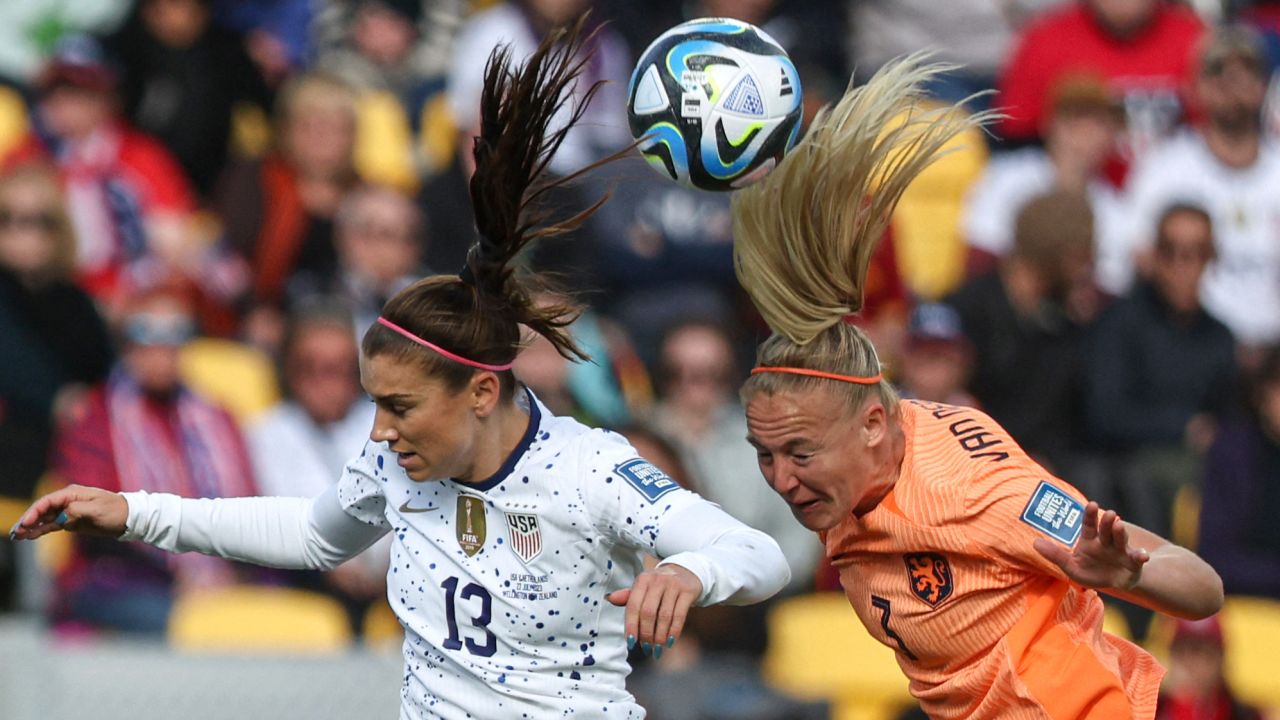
(478, 313)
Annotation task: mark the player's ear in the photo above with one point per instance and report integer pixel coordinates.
(484, 390)
(874, 422)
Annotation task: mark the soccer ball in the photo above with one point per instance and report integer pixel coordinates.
(715, 104)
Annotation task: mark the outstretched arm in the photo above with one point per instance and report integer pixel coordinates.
(278, 532)
(1137, 565)
(709, 558)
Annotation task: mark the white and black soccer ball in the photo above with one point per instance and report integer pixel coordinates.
(715, 103)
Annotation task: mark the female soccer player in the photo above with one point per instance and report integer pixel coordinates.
(978, 567)
(511, 526)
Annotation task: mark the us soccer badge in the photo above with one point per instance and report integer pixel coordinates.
(470, 525)
(930, 576)
(524, 535)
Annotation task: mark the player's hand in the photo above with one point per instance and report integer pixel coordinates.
(657, 605)
(76, 508)
(1102, 558)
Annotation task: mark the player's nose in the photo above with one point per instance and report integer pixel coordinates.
(383, 429)
(781, 478)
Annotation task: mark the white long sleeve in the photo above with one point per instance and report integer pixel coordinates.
(296, 533)
(736, 564)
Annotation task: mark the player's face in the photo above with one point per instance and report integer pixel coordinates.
(821, 458)
(433, 429)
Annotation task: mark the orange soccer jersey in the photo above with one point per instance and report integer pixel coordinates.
(943, 571)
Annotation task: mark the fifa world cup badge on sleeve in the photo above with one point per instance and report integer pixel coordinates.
(648, 480)
(470, 524)
(1055, 513)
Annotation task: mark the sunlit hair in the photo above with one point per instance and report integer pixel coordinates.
(805, 234)
(44, 179)
(478, 314)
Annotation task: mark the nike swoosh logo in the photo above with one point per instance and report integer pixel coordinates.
(406, 509)
(729, 153)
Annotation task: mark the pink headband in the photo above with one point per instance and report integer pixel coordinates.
(456, 358)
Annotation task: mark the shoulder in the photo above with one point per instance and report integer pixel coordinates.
(965, 439)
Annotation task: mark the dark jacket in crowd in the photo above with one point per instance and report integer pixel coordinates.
(1149, 371)
(48, 338)
(1027, 370)
(1239, 535)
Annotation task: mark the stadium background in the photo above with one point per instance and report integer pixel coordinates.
(260, 163)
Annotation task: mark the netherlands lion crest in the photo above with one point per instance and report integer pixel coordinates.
(930, 576)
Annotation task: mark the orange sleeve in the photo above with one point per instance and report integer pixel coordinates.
(1013, 506)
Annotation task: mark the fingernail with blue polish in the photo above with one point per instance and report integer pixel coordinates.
(631, 642)
(657, 652)
(671, 641)
(61, 519)
(13, 532)
(646, 648)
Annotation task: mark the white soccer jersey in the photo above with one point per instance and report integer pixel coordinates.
(501, 585)
(1242, 286)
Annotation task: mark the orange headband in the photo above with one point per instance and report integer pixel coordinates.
(871, 380)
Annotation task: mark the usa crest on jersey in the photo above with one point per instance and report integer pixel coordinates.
(525, 535)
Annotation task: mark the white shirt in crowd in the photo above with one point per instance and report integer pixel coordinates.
(1242, 287)
(500, 585)
(1013, 179)
(316, 454)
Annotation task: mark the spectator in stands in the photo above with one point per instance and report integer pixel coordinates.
(380, 235)
(938, 359)
(1226, 167)
(279, 210)
(699, 412)
(606, 391)
(144, 430)
(975, 34)
(277, 32)
(1241, 491)
(1026, 322)
(323, 423)
(1143, 48)
(121, 185)
(182, 79)
(1160, 371)
(53, 344)
(603, 129)
(28, 27)
(664, 252)
(1080, 134)
(1196, 686)
(395, 53)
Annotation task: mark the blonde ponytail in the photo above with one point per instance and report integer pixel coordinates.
(805, 234)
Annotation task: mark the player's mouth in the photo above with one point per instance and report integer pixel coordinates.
(405, 459)
(807, 506)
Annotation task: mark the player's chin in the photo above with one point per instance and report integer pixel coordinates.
(815, 515)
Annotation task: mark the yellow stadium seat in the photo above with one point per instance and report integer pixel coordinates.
(11, 509)
(384, 142)
(819, 650)
(1186, 517)
(926, 224)
(1114, 622)
(381, 628)
(248, 619)
(235, 376)
(1251, 630)
(13, 120)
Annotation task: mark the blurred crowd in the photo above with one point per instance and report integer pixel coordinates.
(204, 203)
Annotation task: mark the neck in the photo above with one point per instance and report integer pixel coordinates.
(889, 469)
(500, 435)
(1233, 149)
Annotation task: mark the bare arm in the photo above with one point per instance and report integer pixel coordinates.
(1139, 566)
